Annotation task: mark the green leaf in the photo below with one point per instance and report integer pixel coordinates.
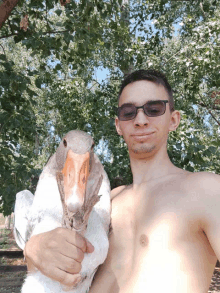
(38, 83)
(190, 169)
(58, 67)
(3, 57)
(58, 12)
(212, 149)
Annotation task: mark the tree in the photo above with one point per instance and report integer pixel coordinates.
(5, 9)
(47, 83)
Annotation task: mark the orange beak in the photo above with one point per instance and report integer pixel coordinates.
(76, 173)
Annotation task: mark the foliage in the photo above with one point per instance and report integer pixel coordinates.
(48, 84)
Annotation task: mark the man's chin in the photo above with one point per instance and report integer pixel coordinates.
(142, 149)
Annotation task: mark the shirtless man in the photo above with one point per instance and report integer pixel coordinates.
(166, 225)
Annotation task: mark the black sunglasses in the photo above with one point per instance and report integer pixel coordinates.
(151, 108)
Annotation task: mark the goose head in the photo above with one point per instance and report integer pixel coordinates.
(79, 177)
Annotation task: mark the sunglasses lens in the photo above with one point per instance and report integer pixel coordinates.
(127, 112)
(154, 108)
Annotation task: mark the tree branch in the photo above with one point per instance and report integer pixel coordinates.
(49, 32)
(205, 106)
(201, 8)
(218, 122)
(8, 36)
(5, 10)
(3, 49)
(46, 16)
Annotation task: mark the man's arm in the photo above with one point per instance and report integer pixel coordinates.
(209, 187)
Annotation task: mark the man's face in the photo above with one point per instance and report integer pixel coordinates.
(145, 134)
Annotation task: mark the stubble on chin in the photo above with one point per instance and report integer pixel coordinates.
(142, 149)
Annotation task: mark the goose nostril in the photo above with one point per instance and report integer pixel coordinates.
(65, 143)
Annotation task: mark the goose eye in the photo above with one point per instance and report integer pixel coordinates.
(65, 143)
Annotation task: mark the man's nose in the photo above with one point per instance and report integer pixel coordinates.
(141, 118)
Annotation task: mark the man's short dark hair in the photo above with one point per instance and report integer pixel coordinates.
(151, 75)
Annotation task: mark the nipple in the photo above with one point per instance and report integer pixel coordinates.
(143, 240)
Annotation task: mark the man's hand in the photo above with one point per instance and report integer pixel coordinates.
(58, 254)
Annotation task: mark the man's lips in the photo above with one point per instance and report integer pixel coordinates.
(141, 136)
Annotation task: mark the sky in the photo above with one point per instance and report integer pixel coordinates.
(101, 74)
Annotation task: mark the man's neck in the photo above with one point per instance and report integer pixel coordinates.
(150, 167)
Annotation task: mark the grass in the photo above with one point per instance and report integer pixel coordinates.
(3, 261)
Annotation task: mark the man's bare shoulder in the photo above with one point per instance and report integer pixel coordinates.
(116, 191)
(205, 182)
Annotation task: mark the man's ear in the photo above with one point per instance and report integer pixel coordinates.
(174, 120)
(117, 126)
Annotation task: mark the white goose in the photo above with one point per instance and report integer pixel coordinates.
(67, 196)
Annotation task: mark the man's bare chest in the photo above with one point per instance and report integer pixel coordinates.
(157, 230)
(152, 222)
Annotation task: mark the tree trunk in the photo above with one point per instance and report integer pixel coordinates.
(8, 222)
(5, 9)
(126, 67)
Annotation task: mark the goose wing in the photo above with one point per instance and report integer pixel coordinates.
(24, 200)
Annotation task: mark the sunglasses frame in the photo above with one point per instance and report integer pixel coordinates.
(141, 107)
